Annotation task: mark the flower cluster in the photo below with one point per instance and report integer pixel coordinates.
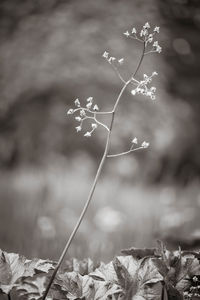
(88, 112)
(134, 142)
(91, 110)
(111, 59)
(145, 36)
(142, 86)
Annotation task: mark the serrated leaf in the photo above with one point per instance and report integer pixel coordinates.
(5, 272)
(16, 266)
(148, 272)
(124, 278)
(189, 268)
(105, 272)
(148, 284)
(130, 263)
(77, 287)
(32, 288)
(83, 267)
(38, 265)
(70, 283)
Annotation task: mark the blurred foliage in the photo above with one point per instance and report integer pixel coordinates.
(51, 53)
(182, 17)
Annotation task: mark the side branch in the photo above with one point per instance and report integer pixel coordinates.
(124, 153)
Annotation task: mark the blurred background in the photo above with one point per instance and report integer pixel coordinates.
(50, 54)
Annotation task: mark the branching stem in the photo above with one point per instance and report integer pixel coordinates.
(98, 173)
(124, 153)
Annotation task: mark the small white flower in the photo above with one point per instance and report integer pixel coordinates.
(150, 38)
(105, 54)
(82, 113)
(134, 141)
(111, 59)
(145, 76)
(94, 125)
(70, 111)
(155, 44)
(120, 61)
(95, 107)
(158, 49)
(87, 134)
(134, 30)
(153, 89)
(78, 119)
(145, 144)
(90, 99)
(146, 25)
(78, 128)
(133, 92)
(153, 97)
(154, 73)
(89, 105)
(195, 279)
(156, 29)
(77, 102)
(143, 32)
(127, 34)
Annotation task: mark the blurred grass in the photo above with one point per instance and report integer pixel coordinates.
(39, 207)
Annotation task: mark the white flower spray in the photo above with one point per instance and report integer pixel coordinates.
(90, 111)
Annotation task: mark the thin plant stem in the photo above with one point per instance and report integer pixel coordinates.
(98, 173)
(124, 153)
(9, 296)
(118, 73)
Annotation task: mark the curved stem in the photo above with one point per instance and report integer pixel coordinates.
(140, 61)
(124, 153)
(84, 210)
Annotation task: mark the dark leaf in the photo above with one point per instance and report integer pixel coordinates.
(173, 293)
(140, 253)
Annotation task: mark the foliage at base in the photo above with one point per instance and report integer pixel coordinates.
(138, 274)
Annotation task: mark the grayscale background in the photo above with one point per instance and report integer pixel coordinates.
(50, 54)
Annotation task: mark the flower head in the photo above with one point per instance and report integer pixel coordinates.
(82, 113)
(87, 134)
(78, 119)
(96, 107)
(89, 105)
(134, 30)
(77, 102)
(156, 29)
(70, 111)
(145, 145)
(78, 128)
(134, 141)
(105, 54)
(94, 125)
(146, 25)
(127, 34)
(120, 61)
(89, 99)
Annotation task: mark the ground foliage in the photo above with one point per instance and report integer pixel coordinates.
(138, 274)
